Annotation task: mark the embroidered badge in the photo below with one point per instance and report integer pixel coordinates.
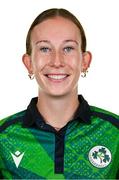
(100, 156)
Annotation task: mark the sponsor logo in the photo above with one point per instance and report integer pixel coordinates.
(17, 157)
(100, 156)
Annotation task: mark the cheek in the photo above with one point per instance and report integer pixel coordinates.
(38, 60)
(75, 63)
(38, 63)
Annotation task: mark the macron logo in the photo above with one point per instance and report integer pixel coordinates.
(17, 157)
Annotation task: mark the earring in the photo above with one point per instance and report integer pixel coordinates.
(31, 76)
(84, 73)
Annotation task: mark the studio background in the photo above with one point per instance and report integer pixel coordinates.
(101, 24)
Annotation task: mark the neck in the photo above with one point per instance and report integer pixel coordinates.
(57, 111)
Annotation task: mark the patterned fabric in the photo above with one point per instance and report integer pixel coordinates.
(86, 148)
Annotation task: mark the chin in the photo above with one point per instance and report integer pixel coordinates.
(58, 94)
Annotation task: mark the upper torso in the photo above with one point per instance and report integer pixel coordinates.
(80, 150)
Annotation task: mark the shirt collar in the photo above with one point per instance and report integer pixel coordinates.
(33, 116)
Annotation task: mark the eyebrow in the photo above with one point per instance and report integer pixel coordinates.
(65, 41)
(46, 41)
(71, 40)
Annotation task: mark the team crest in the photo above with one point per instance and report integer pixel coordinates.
(100, 156)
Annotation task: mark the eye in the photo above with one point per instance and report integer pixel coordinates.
(45, 49)
(68, 49)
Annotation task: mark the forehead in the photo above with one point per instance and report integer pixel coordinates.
(57, 28)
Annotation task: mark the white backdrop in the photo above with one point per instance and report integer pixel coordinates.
(101, 23)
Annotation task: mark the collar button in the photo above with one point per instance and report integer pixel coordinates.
(42, 125)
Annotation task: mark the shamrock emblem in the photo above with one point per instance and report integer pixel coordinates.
(100, 156)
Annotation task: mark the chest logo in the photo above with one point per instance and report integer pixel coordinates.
(17, 157)
(100, 156)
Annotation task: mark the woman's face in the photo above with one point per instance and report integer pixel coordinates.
(56, 59)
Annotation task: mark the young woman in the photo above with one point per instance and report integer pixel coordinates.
(59, 135)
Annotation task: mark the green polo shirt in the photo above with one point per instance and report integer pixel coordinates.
(86, 148)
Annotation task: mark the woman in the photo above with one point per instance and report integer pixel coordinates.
(59, 136)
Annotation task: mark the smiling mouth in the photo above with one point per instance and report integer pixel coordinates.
(57, 76)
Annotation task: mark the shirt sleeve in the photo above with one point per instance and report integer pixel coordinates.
(1, 163)
(1, 176)
(117, 176)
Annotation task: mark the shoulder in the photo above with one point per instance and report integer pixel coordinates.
(11, 120)
(105, 115)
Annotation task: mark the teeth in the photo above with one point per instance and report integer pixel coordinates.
(57, 77)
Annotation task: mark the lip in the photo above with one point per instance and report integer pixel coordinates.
(56, 74)
(57, 77)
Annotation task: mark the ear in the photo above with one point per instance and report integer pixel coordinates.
(26, 59)
(86, 61)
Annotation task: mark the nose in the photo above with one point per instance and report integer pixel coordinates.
(57, 60)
